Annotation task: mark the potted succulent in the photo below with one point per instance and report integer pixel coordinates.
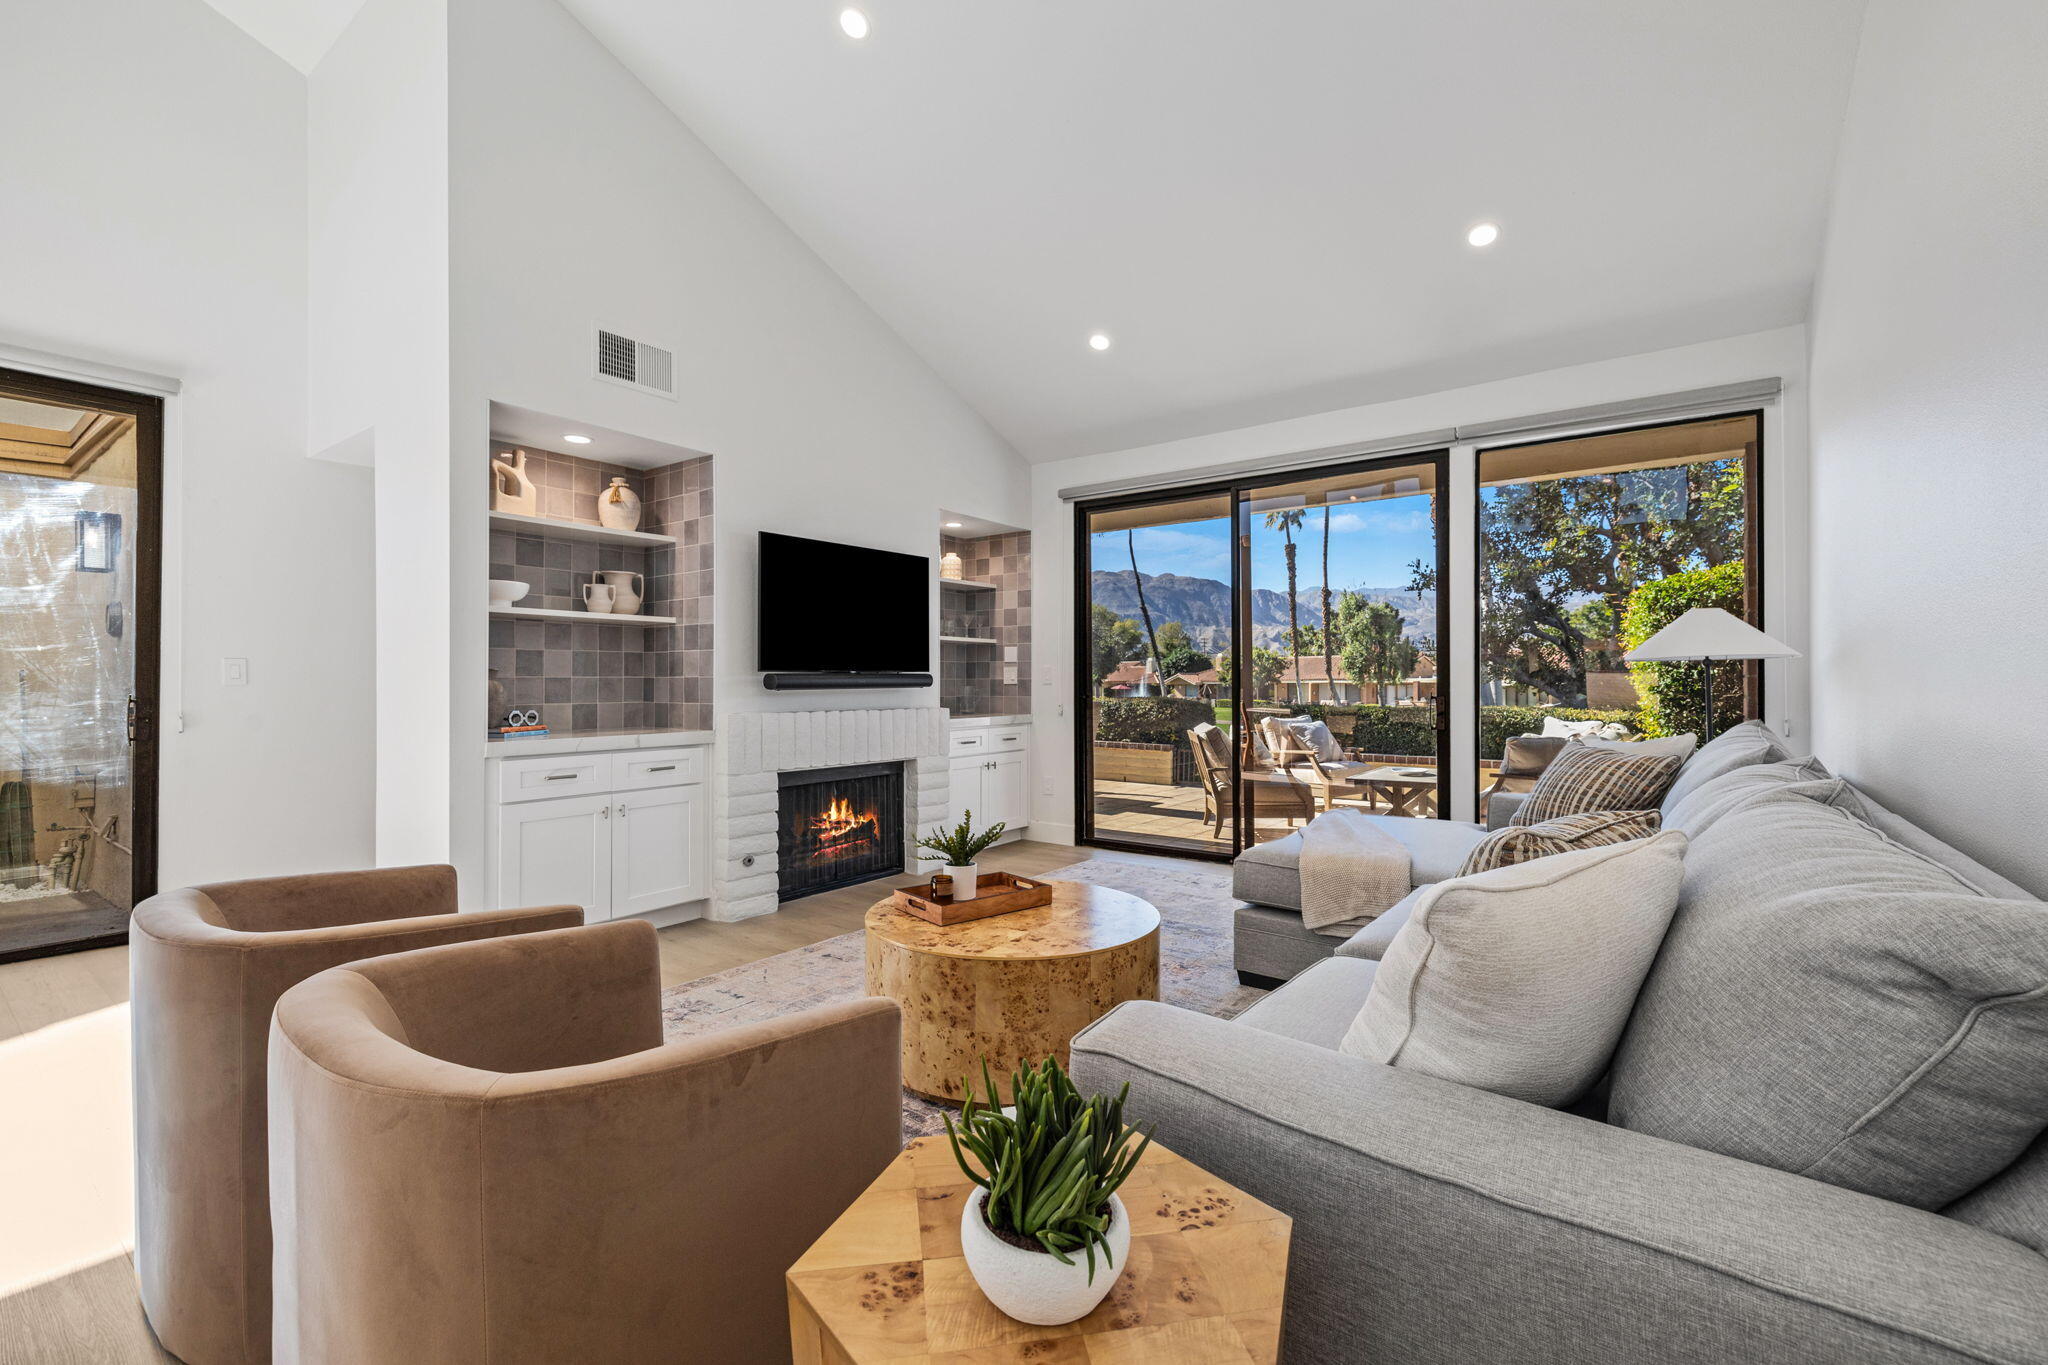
(960, 848)
(1044, 1234)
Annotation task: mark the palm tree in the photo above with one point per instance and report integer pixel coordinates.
(1138, 582)
(1328, 676)
(1284, 523)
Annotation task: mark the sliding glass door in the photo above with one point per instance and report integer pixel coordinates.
(1587, 546)
(1219, 625)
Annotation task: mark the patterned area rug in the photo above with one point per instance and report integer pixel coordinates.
(1194, 904)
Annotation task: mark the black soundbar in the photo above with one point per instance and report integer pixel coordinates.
(815, 682)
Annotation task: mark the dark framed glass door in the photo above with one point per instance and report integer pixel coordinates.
(1215, 623)
(81, 471)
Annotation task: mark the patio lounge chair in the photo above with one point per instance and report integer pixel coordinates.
(1275, 793)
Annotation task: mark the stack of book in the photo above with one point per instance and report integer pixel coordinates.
(519, 732)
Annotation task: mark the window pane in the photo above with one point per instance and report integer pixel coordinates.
(1591, 544)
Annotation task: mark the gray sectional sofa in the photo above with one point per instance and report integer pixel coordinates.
(1749, 1185)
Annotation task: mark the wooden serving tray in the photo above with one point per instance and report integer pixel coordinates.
(999, 893)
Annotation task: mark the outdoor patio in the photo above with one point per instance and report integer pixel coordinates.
(1152, 811)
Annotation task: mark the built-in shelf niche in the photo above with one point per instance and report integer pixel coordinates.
(595, 618)
(984, 625)
(555, 529)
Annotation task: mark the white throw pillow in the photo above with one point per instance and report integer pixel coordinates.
(1553, 728)
(1520, 980)
(1679, 746)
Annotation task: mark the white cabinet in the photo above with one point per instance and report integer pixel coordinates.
(557, 852)
(634, 840)
(658, 850)
(1006, 790)
(964, 791)
(991, 776)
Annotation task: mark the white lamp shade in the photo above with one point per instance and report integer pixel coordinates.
(1709, 633)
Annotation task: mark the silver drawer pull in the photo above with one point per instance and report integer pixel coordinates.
(562, 777)
(664, 768)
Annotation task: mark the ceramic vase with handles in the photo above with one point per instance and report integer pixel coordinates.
(618, 507)
(597, 597)
(627, 588)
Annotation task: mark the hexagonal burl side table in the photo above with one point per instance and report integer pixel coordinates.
(1012, 988)
(1202, 1286)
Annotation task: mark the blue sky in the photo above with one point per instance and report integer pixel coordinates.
(1371, 545)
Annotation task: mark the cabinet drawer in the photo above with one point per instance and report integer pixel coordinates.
(656, 768)
(1010, 740)
(968, 742)
(534, 779)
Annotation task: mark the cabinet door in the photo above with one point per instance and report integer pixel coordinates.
(557, 853)
(1007, 789)
(965, 791)
(658, 850)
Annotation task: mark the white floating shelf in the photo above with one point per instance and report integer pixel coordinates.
(522, 524)
(966, 583)
(594, 618)
(966, 640)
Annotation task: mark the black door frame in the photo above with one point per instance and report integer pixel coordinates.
(1234, 489)
(146, 543)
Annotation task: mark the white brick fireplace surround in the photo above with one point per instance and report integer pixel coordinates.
(754, 746)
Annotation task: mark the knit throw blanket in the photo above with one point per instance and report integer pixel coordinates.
(1351, 871)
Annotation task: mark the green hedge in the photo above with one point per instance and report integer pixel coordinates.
(1151, 720)
(1671, 691)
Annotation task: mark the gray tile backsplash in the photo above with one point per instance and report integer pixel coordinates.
(971, 676)
(586, 676)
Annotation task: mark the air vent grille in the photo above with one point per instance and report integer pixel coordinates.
(626, 361)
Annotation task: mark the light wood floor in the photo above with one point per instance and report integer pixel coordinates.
(63, 1099)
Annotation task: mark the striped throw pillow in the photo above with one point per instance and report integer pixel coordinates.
(1521, 843)
(1582, 779)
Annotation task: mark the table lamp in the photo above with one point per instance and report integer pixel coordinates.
(1709, 635)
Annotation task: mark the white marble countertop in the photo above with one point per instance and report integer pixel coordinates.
(595, 741)
(978, 722)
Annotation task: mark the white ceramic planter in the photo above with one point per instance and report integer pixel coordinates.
(966, 882)
(1032, 1286)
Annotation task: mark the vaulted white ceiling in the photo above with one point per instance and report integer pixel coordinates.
(300, 31)
(1265, 205)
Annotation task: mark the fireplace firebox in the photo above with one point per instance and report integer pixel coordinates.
(838, 826)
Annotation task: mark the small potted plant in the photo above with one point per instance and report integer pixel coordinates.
(959, 849)
(1045, 1233)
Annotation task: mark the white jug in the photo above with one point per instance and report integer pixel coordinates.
(627, 589)
(597, 597)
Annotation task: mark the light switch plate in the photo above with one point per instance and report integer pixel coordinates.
(234, 672)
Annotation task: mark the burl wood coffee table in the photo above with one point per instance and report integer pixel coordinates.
(1012, 988)
(1202, 1286)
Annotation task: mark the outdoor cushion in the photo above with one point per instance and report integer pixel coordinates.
(1582, 778)
(1316, 1006)
(1270, 873)
(1747, 743)
(1679, 747)
(1520, 980)
(1833, 1006)
(1521, 843)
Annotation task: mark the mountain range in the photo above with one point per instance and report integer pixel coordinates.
(1203, 606)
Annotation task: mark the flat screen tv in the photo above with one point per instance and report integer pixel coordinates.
(831, 608)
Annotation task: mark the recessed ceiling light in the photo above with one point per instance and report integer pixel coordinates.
(1099, 341)
(952, 526)
(1484, 234)
(853, 23)
(575, 440)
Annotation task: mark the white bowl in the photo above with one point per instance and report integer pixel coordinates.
(1033, 1286)
(506, 591)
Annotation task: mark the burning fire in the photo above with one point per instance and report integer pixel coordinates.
(839, 828)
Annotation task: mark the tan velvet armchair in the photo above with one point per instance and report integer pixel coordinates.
(485, 1154)
(206, 964)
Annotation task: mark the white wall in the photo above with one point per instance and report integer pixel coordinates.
(1930, 428)
(579, 200)
(155, 192)
(1780, 353)
(378, 227)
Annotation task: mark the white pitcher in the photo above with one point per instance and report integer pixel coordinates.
(597, 597)
(627, 590)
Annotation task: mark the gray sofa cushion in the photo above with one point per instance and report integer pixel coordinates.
(1270, 873)
(1908, 835)
(2013, 1203)
(1371, 942)
(1275, 943)
(1830, 1005)
(1750, 742)
(1712, 799)
(1318, 1005)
